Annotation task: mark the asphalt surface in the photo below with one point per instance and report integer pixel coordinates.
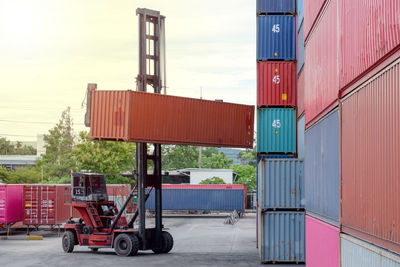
(199, 241)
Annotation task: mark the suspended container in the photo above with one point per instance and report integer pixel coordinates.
(281, 184)
(276, 84)
(281, 237)
(11, 204)
(276, 130)
(322, 243)
(322, 168)
(276, 6)
(276, 37)
(357, 253)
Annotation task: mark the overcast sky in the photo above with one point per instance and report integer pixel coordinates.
(50, 50)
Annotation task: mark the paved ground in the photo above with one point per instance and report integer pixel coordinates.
(199, 241)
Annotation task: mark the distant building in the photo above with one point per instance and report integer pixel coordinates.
(232, 153)
(195, 175)
(13, 162)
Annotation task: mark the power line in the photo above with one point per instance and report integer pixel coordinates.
(17, 135)
(36, 122)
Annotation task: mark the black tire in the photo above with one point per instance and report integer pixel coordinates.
(94, 249)
(126, 245)
(167, 243)
(68, 241)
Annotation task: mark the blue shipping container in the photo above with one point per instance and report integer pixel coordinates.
(300, 49)
(276, 37)
(276, 130)
(282, 236)
(301, 126)
(199, 199)
(321, 168)
(276, 6)
(300, 13)
(281, 184)
(357, 253)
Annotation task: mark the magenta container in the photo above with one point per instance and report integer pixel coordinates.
(322, 243)
(11, 207)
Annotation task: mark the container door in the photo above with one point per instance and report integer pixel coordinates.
(47, 205)
(2, 204)
(31, 204)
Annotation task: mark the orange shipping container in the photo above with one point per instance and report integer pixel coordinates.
(155, 118)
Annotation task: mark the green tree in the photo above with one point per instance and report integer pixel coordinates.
(6, 148)
(246, 174)
(216, 161)
(248, 158)
(213, 180)
(208, 151)
(179, 157)
(26, 175)
(57, 162)
(23, 149)
(106, 157)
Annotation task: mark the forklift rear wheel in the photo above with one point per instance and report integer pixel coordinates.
(126, 245)
(167, 243)
(68, 241)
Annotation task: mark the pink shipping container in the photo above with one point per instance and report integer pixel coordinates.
(312, 10)
(321, 66)
(11, 204)
(276, 84)
(322, 243)
(300, 94)
(370, 31)
(370, 156)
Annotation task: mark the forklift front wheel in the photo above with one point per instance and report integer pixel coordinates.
(126, 245)
(167, 243)
(68, 241)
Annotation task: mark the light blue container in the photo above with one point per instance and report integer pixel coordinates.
(357, 253)
(300, 13)
(281, 184)
(301, 125)
(276, 6)
(300, 49)
(276, 130)
(276, 37)
(281, 236)
(321, 168)
(199, 199)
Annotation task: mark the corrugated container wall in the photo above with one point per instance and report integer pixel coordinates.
(276, 130)
(321, 65)
(300, 13)
(11, 204)
(155, 118)
(300, 93)
(276, 84)
(276, 6)
(200, 199)
(322, 168)
(301, 124)
(312, 11)
(281, 184)
(370, 156)
(369, 29)
(282, 236)
(276, 37)
(39, 205)
(322, 244)
(300, 49)
(357, 253)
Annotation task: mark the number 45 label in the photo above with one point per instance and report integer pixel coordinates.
(276, 124)
(276, 28)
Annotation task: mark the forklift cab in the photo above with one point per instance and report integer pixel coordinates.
(88, 187)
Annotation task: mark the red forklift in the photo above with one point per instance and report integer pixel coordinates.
(101, 224)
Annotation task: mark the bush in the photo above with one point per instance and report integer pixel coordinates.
(213, 180)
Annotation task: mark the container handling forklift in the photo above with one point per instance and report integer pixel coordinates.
(101, 225)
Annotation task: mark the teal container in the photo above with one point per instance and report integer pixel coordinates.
(276, 130)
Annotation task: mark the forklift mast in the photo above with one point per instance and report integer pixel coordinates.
(151, 73)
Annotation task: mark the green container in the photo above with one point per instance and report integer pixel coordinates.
(276, 130)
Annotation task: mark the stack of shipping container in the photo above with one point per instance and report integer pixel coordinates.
(280, 198)
(350, 81)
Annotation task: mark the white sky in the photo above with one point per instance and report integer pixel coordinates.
(50, 50)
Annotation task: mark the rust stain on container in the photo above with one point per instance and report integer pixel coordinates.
(370, 156)
(154, 118)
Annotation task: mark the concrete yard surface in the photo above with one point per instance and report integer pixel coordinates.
(199, 241)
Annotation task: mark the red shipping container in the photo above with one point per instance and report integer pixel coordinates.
(155, 118)
(276, 84)
(39, 204)
(370, 31)
(10, 204)
(312, 10)
(321, 66)
(370, 156)
(300, 94)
